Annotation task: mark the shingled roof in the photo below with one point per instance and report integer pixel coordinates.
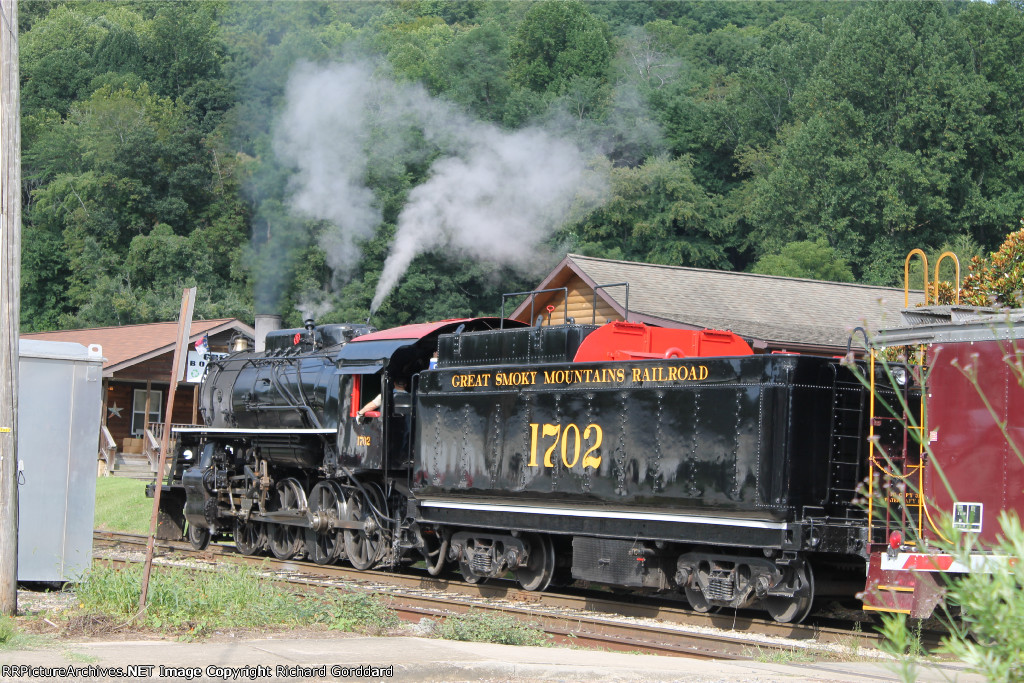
(779, 311)
(130, 344)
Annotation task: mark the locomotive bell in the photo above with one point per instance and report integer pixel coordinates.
(240, 344)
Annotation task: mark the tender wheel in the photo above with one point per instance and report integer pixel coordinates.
(199, 536)
(540, 567)
(250, 537)
(793, 610)
(364, 547)
(285, 539)
(324, 544)
(468, 575)
(695, 596)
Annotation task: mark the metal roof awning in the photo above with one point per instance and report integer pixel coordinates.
(370, 352)
(365, 369)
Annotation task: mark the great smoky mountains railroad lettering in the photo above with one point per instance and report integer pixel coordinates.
(655, 373)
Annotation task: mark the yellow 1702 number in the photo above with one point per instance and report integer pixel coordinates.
(571, 441)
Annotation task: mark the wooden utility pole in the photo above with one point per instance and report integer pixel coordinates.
(10, 302)
(188, 302)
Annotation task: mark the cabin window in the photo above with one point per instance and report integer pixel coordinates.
(139, 410)
(364, 389)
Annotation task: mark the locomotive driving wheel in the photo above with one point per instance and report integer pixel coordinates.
(540, 566)
(794, 609)
(250, 537)
(324, 543)
(286, 539)
(364, 546)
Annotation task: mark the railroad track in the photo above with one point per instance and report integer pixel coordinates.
(588, 619)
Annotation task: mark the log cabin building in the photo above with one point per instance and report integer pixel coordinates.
(136, 380)
(773, 313)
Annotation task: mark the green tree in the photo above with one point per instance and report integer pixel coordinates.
(556, 43)
(814, 260)
(874, 162)
(993, 184)
(415, 49)
(656, 213)
(475, 66)
(57, 62)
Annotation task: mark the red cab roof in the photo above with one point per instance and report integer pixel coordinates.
(417, 331)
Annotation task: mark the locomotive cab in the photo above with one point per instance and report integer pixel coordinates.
(376, 363)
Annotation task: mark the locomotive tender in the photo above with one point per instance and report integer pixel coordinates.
(668, 461)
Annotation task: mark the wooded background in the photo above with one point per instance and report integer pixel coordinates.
(814, 139)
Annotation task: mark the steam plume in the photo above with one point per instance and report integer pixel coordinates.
(490, 194)
(496, 200)
(323, 133)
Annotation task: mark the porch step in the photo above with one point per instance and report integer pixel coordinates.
(132, 466)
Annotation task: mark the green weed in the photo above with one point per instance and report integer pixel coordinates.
(780, 655)
(486, 627)
(902, 644)
(193, 603)
(13, 639)
(358, 612)
(80, 657)
(8, 630)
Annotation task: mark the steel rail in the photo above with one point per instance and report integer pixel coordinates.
(555, 611)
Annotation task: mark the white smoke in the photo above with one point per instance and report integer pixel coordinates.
(496, 200)
(491, 194)
(322, 133)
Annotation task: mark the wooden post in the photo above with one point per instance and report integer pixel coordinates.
(195, 404)
(188, 301)
(145, 419)
(10, 302)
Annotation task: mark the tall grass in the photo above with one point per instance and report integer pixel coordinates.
(233, 597)
(121, 505)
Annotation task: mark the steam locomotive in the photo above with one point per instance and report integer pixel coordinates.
(667, 461)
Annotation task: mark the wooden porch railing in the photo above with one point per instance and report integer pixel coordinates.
(151, 443)
(108, 448)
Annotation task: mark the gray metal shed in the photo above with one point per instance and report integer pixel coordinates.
(59, 406)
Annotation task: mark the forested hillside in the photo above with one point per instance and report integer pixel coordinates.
(423, 156)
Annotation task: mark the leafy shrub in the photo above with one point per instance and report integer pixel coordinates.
(990, 636)
(358, 612)
(484, 627)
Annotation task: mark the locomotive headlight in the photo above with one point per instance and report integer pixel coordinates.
(900, 375)
(186, 454)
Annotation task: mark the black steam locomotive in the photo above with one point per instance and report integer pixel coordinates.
(662, 460)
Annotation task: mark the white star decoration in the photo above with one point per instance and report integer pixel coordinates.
(114, 411)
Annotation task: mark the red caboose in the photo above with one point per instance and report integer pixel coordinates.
(973, 468)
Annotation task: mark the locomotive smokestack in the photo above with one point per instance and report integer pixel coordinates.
(265, 322)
